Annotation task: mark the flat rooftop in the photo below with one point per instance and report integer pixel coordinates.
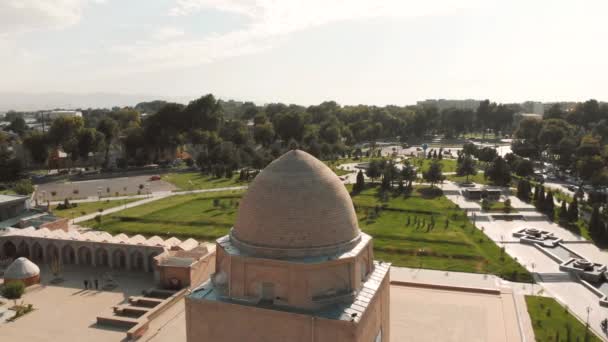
(424, 314)
(4, 199)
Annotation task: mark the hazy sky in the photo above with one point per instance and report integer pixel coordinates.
(307, 51)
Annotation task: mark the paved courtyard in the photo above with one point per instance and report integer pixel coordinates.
(90, 188)
(67, 312)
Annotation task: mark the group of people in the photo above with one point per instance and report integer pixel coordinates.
(88, 284)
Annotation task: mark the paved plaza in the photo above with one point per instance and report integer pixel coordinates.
(67, 312)
(550, 280)
(90, 188)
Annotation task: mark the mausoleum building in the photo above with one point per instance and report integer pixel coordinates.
(295, 266)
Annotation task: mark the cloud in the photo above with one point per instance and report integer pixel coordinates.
(165, 33)
(269, 22)
(18, 16)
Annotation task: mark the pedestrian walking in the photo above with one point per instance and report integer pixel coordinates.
(96, 284)
(86, 284)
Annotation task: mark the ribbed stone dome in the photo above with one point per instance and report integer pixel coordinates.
(296, 204)
(21, 268)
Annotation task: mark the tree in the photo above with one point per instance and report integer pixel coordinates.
(109, 128)
(89, 141)
(203, 113)
(37, 144)
(373, 170)
(13, 290)
(573, 211)
(539, 203)
(596, 227)
(24, 187)
(408, 174)
(563, 213)
(549, 206)
(523, 190)
(360, 184)
(289, 126)
(466, 167)
(499, 172)
(64, 129)
(263, 134)
(434, 174)
(469, 149)
(18, 125)
(524, 167)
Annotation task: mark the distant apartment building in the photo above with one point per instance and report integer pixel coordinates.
(565, 106)
(442, 104)
(52, 115)
(533, 107)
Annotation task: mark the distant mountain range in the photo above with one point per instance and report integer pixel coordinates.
(46, 101)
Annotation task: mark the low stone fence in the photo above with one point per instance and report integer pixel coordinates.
(447, 287)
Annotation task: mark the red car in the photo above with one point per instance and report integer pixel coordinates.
(155, 178)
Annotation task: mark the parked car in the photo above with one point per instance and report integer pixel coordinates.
(155, 178)
(571, 188)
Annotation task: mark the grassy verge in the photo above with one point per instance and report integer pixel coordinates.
(86, 208)
(197, 180)
(553, 322)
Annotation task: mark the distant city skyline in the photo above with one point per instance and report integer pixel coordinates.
(302, 52)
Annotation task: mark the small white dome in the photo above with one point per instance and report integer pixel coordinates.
(21, 268)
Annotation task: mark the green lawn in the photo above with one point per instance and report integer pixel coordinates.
(89, 207)
(448, 165)
(459, 247)
(549, 319)
(197, 180)
(477, 178)
(499, 207)
(182, 216)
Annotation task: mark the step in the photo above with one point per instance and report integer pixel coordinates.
(130, 310)
(117, 321)
(148, 302)
(159, 293)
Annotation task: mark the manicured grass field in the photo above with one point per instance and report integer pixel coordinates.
(457, 247)
(477, 178)
(402, 235)
(552, 322)
(202, 216)
(448, 165)
(89, 207)
(197, 180)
